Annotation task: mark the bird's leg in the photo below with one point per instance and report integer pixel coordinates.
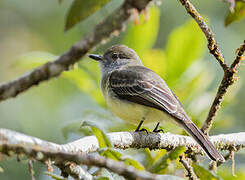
(138, 128)
(156, 130)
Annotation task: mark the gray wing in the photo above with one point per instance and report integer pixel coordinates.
(141, 85)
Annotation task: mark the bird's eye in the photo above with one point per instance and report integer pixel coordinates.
(122, 56)
(114, 56)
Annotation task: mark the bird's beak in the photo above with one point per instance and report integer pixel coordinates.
(95, 57)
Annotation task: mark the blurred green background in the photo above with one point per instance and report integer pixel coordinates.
(167, 40)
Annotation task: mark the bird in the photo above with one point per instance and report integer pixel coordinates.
(137, 94)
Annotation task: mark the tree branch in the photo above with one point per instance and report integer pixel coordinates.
(14, 143)
(228, 79)
(239, 58)
(229, 71)
(213, 165)
(190, 172)
(30, 168)
(76, 171)
(113, 23)
(121, 140)
(212, 44)
(42, 151)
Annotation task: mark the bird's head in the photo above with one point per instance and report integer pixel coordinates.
(117, 56)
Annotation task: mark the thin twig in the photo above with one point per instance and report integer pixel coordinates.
(225, 83)
(233, 164)
(48, 164)
(76, 171)
(113, 23)
(228, 79)
(229, 72)
(212, 44)
(239, 58)
(213, 165)
(229, 155)
(31, 171)
(190, 172)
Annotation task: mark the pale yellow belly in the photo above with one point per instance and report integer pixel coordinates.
(133, 113)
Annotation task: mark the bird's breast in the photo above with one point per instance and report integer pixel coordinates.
(133, 112)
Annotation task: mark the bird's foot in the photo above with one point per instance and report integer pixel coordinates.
(156, 130)
(142, 129)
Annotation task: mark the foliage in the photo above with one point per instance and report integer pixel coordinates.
(237, 14)
(203, 173)
(100, 135)
(80, 10)
(161, 165)
(180, 41)
(145, 31)
(106, 147)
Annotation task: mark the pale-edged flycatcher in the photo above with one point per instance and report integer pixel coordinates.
(137, 94)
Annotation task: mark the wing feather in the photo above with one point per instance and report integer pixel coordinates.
(136, 86)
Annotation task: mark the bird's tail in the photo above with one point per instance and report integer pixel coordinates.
(203, 141)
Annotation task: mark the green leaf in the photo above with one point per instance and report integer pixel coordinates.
(116, 155)
(162, 164)
(149, 160)
(99, 133)
(238, 14)
(159, 154)
(154, 59)
(185, 45)
(225, 173)
(203, 173)
(142, 36)
(81, 9)
(33, 59)
(134, 163)
(111, 153)
(190, 84)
